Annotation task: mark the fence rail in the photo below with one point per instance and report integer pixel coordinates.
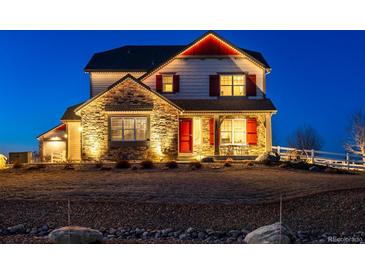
(331, 159)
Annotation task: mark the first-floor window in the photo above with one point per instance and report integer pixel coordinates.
(233, 132)
(128, 128)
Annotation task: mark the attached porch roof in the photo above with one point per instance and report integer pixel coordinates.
(225, 104)
(70, 114)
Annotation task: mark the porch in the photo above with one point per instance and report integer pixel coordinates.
(241, 136)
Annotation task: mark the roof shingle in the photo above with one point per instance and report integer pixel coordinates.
(143, 58)
(225, 104)
(70, 114)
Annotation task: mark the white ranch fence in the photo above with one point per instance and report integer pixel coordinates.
(330, 159)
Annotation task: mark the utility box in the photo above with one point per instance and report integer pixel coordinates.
(20, 157)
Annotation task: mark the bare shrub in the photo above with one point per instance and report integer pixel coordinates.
(196, 165)
(172, 164)
(17, 165)
(122, 164)
(305, 138)
(147, 164)
(356, 141)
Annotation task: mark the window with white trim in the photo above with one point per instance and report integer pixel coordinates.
(232, 85)
(128, 128)
(233, 132)
(167, 83)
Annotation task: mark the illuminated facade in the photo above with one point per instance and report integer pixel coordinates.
(178, 102)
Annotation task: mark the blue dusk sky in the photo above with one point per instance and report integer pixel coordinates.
(316, 79)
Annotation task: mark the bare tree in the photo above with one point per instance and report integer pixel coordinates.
(305, 138)
(356, 142)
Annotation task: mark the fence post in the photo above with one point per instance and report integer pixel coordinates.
(348, 160)
(312, 156)
(278, 150)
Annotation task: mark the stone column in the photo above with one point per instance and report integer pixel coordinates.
(216, 135)
(268, 145)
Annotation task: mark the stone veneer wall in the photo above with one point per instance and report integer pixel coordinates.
(163, 123)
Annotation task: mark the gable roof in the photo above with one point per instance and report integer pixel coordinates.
(117, 83)
(149, 58)
(226, 104)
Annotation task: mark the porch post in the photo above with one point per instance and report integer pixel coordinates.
(216, 135)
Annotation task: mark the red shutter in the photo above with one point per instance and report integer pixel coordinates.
(251, 131)
(211, 131)
(176, 83)
(251, 85)
(159, 83)
(213, 85)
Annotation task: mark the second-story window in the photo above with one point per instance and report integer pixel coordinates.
(232, 85)
(167, 83)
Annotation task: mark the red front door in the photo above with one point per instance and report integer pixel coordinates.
(186, 135)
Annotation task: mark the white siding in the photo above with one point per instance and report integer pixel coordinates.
(73, 141)
(194, 74)
(99, 81)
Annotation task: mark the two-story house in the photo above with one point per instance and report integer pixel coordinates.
(204, 99)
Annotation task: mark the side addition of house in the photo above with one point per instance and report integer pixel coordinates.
(205, 99)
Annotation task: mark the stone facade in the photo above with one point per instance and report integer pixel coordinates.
(163, 127)
(162, 142)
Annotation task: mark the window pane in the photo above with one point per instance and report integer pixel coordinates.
(226, 125)
(238, 137)
(140, 134)
(238, 125)
(167, 88)
(116, 122)
(238, 91)
(238, 79)
(226, 79)
(128, 123)
(226, 137)
(141, 128)
(141, 123)
(226, 91)
(128, 135)
(116, 135)
(167, 79)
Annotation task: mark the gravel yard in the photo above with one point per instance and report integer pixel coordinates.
(221, 199)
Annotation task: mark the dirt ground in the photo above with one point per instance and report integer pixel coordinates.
(225, 198)
(254, 185)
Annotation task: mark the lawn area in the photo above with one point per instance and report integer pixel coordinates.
(224, 198)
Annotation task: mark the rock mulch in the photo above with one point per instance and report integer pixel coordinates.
(170, 235)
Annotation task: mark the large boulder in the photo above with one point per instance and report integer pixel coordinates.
(2, 161)
(270, 234)
(76, 235)
(268, 157)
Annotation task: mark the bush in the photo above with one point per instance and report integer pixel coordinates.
(172, 164)
(147, 164)
(99, 165)
(69, 166)
(196, 165)
(17, 165)
(36, 167)
(122, 164)
(208, 160)
(228, 162)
